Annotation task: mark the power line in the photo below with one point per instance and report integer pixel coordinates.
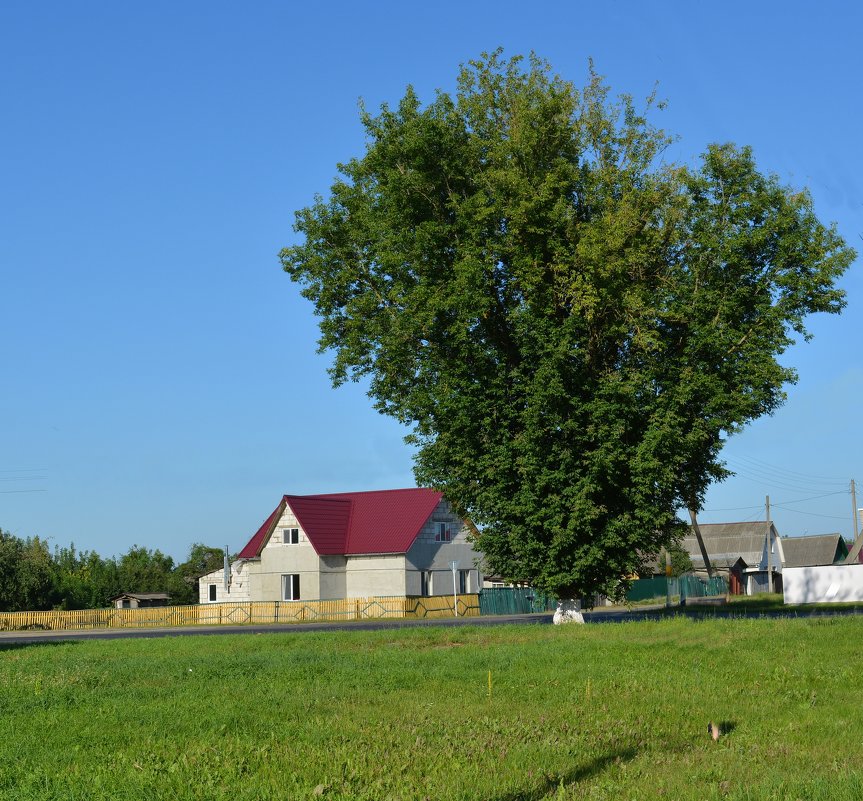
(811, 514)
(779, 476)
(793, 474)
(813, 498)
(759, 475)
(12, 492)
(733, 508)
(772, 503)
(772, 481)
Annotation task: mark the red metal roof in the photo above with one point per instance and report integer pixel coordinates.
(351, 523)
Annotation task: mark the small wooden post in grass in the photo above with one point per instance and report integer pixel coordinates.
(667, 578)
(454, 567)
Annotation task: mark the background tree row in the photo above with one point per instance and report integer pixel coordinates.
(34, 578)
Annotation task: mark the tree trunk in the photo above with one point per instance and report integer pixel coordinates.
(568, 612)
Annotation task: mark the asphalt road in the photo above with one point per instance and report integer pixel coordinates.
(30, 637)
(591, 617)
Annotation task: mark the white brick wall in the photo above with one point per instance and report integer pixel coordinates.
(375, 575)
(238, 587)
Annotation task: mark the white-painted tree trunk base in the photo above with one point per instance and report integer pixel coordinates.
(568, 612)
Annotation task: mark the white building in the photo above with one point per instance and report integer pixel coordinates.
(351, 545)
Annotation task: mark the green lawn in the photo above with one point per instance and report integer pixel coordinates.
(737, 605)
(616, 711)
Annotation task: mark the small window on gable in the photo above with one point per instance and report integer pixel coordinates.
(212, 592)
(442, 532)
(290, 536)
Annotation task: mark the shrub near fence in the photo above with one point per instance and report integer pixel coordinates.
(239, 613)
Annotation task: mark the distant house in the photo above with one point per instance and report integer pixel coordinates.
(137, 600)
(814, 550)
(749, 555)
(351, 545)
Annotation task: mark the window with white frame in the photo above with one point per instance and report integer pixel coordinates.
(463, 582)
(291, 587)
(442, 532)
(425, 583)
(212, 592)
(290, 536)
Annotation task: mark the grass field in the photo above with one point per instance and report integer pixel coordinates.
(614, 712)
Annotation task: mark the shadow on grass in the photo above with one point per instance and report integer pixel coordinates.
(15, 645)
(577, 774)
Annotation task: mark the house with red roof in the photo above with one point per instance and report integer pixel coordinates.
(351, 545)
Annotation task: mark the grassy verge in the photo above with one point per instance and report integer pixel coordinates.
(776, 603)
(595, 712)
(762, 604)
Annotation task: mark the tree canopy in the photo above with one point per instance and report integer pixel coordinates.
(32, 578)
(569, 325)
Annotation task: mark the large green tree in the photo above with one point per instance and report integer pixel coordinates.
(202, 559)
(26, 574)
(83, 579)
(569, 325)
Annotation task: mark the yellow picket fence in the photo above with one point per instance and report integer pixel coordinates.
(217, 614)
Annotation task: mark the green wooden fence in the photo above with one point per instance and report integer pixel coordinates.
(685, 586)
(514, 601)
(645, 589)
(695, 587)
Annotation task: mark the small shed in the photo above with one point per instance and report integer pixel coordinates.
(736, 577)
(136, 600)
(749, 554)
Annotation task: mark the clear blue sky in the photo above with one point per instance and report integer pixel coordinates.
(159, 378)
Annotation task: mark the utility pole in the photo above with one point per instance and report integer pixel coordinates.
(769, 546)
(697, 531)
(853, 556)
